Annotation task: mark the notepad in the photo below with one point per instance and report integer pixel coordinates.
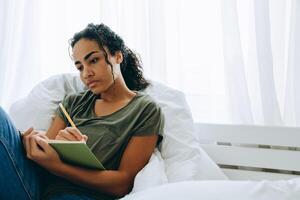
(77, 153)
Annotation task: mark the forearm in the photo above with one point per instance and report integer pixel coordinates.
(113, 182)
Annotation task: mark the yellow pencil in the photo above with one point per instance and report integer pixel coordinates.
(67, 115)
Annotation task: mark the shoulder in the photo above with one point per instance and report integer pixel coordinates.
(145, 100)
(150, 116)
(147, 105)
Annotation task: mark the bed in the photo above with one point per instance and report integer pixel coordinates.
(195, 160)
(253, 152)
(258, 161)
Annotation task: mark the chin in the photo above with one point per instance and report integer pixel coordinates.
(98, 90)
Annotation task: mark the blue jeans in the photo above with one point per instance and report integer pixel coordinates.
(20, 178)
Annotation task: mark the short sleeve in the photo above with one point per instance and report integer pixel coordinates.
(67, 103)
(150, 122)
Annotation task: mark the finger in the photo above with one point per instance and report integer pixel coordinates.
(58, 137)
(85, 137)
(75, 132)
(34, 149)
(27, 131)
(42, 135)
(66, 135)
(26, 137)
(33, 132)
(26, 146)
(26, 141)
(43, 144)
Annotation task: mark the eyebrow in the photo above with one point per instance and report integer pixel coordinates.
(86, 57)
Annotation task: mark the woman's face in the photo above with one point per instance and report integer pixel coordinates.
(95, 72)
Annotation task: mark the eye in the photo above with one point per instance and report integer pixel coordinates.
(94, 60)
(79, 67)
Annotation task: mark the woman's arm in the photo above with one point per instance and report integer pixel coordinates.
(116, 182)
(57, 125)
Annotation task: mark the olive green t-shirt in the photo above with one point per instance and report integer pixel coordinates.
(109, 135)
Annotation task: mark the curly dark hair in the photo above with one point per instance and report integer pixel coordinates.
(131, 67)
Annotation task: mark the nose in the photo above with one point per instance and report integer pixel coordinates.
(87, 72)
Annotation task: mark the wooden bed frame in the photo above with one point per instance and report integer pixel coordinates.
(252, 152)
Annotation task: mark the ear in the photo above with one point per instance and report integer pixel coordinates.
(119, 57)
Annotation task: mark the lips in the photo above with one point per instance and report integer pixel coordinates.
(91, 83)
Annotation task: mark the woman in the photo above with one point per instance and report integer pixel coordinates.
(121, 126)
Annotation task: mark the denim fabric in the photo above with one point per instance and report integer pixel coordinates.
(70, 197)
(20, 178)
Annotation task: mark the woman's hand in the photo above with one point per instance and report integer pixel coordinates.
(28, 134)
(71, 134)
(43, 154)
(39, 151)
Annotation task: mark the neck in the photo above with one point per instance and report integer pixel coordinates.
(117, 92)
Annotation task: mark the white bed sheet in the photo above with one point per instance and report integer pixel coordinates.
(222, 190)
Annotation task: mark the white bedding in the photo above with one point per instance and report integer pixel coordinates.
(222, 190)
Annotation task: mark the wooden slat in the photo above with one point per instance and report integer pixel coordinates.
(274, 136)
(235, 174)
(254, 157)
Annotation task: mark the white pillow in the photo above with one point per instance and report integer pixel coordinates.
(153, 174)
(183, 158)
(38, 108)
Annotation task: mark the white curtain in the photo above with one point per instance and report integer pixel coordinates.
(291, 113)
(236, 61)
(261, 43)
(18, 47)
